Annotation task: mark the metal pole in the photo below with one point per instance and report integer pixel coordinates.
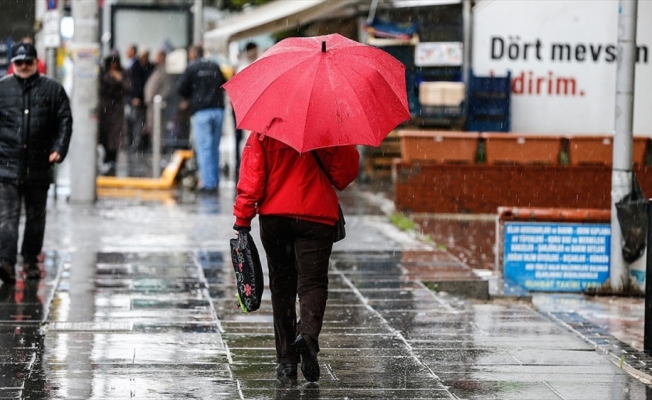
(621, 179)
(466, 41)
(84, 104)
(647, 322)
(156, 136)
(198, 32)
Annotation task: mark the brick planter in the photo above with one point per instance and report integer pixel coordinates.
(477, 189)
(512, 148)
(439, 146)
(598, 150)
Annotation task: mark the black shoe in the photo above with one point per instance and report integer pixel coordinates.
(31, 271)
(286, 373)
(308, 349)
(8, 273)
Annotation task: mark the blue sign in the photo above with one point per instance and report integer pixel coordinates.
(51, 4)
(557, 257)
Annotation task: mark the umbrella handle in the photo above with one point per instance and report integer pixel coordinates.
(323, 46)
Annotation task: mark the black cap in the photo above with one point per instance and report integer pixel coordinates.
(23, 51)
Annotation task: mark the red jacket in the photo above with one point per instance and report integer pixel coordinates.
(275, 179)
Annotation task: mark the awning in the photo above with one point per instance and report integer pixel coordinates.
(272, 17)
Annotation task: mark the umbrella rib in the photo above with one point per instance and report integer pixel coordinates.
(351, 86)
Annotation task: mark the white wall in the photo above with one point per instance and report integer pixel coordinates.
(543, 99)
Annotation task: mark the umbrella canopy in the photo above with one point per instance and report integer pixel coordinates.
(321, 91)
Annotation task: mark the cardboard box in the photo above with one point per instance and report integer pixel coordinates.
(441, 93)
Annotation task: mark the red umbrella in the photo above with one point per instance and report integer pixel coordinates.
(321, 91)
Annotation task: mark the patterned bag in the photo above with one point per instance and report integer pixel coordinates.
(248, 272)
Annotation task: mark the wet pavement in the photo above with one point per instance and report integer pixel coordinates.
(138, 302)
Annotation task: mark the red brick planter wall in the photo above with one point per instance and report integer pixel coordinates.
(437, 188)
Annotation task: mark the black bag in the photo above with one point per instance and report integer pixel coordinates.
(340, 231)
(631, 211)
(248, 271)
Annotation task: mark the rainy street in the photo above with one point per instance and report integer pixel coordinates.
(451, 196)
(138, 302)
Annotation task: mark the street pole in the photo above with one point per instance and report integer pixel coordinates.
(198, 32)
(466, 41)
(84, 103)
(621, 177)
(156, 136)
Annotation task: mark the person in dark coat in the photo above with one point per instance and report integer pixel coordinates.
(200, 86)
(35, 130)
(113, 91)
(139, 72)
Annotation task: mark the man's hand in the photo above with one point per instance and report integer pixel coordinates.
(55, 157)
(135, 102)
(183, 105)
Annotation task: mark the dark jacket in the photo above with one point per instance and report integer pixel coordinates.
(138, 75)
(201, 84)
(35, 120)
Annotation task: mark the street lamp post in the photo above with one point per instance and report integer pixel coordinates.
(621, 176)
(84, 103)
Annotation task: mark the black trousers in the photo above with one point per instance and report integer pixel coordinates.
(298, 254)
(35, 198)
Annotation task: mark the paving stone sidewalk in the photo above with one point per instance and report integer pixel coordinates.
(139, 302)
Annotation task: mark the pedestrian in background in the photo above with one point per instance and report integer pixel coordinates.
(298, 209)
(158, 83)
(35, 130)
(200, 86)
(139, 72)
(131, 55)
(113, 91)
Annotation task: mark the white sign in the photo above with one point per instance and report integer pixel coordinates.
(562, 58)
(435, 54)
(52, 29)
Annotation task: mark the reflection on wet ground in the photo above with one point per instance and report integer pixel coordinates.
(472, 240)
(167, 325)
(144, 307)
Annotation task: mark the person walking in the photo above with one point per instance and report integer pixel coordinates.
(113, 89)
(35, 131)
(159, 83)
(139, 72)
(200, 86)
(298, 209)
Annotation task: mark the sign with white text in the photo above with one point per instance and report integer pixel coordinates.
(559, 257)
(562, 56)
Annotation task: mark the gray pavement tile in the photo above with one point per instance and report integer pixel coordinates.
(344, 393)
(620, 387)
(10, 392)
(383, 284)
(542, 342)
(465, 357)
(489, 390)
(599, 372)
(158, 386)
